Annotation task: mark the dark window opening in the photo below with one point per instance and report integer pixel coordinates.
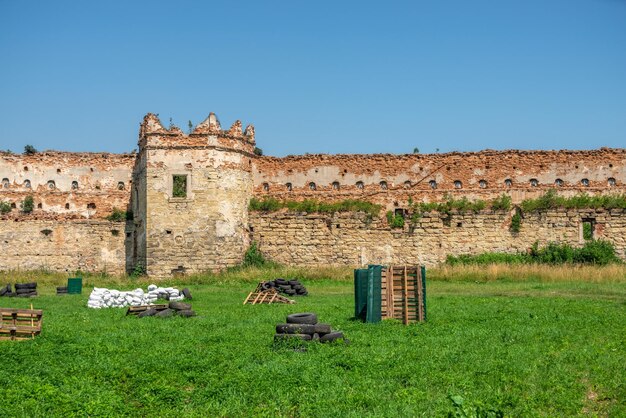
(168, 231)
(558, 182)
(459, 224)
(508, 182)
(5, 183)
(266, 187)
(611, 181)
(46, 232)
(58, 171)
(179, 185)
(115, 232)
(67, 206)
(482, 184)
(91, 205)
(13, 206)
(120, 185)
(74, 185)
(360, 185)
(585, 182)
(27, 184)
(39, 206)
(51, 185)
(336, 185)
(25, 168)
(383, 185)
(458, 184)
(289, 187)
(407, 184)
(432, 184)
(534, 182)
(312, 186)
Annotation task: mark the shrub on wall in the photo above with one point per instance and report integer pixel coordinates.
(5, 207)
(516, 223)
(28, 204)
(271, 204)
(395, 221)
(119, 215)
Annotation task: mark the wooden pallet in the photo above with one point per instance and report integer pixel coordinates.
(135, 310)
(402, 294)
(259, 296)
(20, 324)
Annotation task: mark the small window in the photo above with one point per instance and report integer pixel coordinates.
(432, 184)
(534, 182)
(508, 183)
(74, 185)
(558, 182)
(336, 185)
(51, 185)
(407, 184)
(482, 184)
(312, 186)
(58, 171)
(120, 185)
(25, 168)
(27, 184)
(67, 206)
(360, 185)
(383, 185)
(458, 184)
(266, 187)
(91, 206)
(5, 183)
(179, 185)
(585, 182)
(289, 187)
(611, 181)
(39, 206)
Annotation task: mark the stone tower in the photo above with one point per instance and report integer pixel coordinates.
(190, 197)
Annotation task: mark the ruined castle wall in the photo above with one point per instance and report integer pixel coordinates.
(391, 179)
(64, 245)
(79, 185)
(349, 239)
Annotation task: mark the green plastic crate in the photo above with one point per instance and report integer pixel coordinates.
(75, 285)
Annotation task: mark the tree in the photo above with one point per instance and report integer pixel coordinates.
(416, 150)
(30, 150)
(258, 151)
(190, 126)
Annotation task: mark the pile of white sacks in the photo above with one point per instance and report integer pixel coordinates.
(111, 298)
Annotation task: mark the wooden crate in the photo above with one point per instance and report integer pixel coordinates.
(266, 296)
(20, 324)
(403, 294)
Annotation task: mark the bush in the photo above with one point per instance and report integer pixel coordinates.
(516, 223)
(272, 204)
(118, 215)
(253, 257)
(5, 207)
(258, 151)
(395, 221)
(28, 204)
(501, 203)
(30, 150)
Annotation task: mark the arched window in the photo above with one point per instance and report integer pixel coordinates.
(266, 187)
(432, 184)
(585, 182)
(360, 185)
(407, 184)
(312, 186)
(5, 183)
(534, 182)
(558, 182)
(508, 182)
(383, 185)
(289, 187)
(67, 206)
(51, 185)
(458, 184)
(336, 185)
(482, 184)
(27, 184)
(120, 185)
(611, 181)
(74, 185)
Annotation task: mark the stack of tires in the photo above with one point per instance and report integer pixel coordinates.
(61, 290)
(291, 287)
(304, 326)
(7, 291)
(26, 290)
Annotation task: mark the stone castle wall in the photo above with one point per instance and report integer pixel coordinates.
(349, 239)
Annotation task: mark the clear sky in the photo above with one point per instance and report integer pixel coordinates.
(318, 76)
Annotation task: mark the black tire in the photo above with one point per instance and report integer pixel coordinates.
(62, 289)
(179, 306)
(323, 328)
(187, 313)
(290, 292)
(265, 286)
(11, 295)
(186, 293)
(21, 291)
(297, 286)
(3, 291)
(284, 287)
(294, 282)
(147, 312)
(23, 295)
(283, 337)
(295, 329)
(333, 336)
(271, 283)
(302, 318)
(33, 293)
(281, 281)
(31, 285)
(165, 313)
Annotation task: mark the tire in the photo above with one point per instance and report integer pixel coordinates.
(23, 295)
(265, 286)
(284, 287)
(186, 313)
(3, 291)
(290, 292)
(295, 329)
(333, 336)
(165, 313)
(186, 293)
(22, 291)
(281, 281)
(179, 306)
(323, 329)
(297, 287)
(284, 337)
(302, 318)
(31, 285)
(147, 312)
(271, 283)
(62, 289)
(294, 282)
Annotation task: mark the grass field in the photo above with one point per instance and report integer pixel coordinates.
(522, 348)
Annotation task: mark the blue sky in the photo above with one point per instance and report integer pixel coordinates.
(317, 77)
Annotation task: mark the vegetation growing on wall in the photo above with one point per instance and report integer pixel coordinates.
(551, 200)
(395, 221)
(5, 207)
(118, 215)
(28, 204)
(516, 223)
(593, 252)
(271, 204)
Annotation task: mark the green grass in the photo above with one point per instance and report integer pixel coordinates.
(523, 348)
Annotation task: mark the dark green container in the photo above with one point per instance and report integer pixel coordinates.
(367, 293)
(360, 293)
(75, 286)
